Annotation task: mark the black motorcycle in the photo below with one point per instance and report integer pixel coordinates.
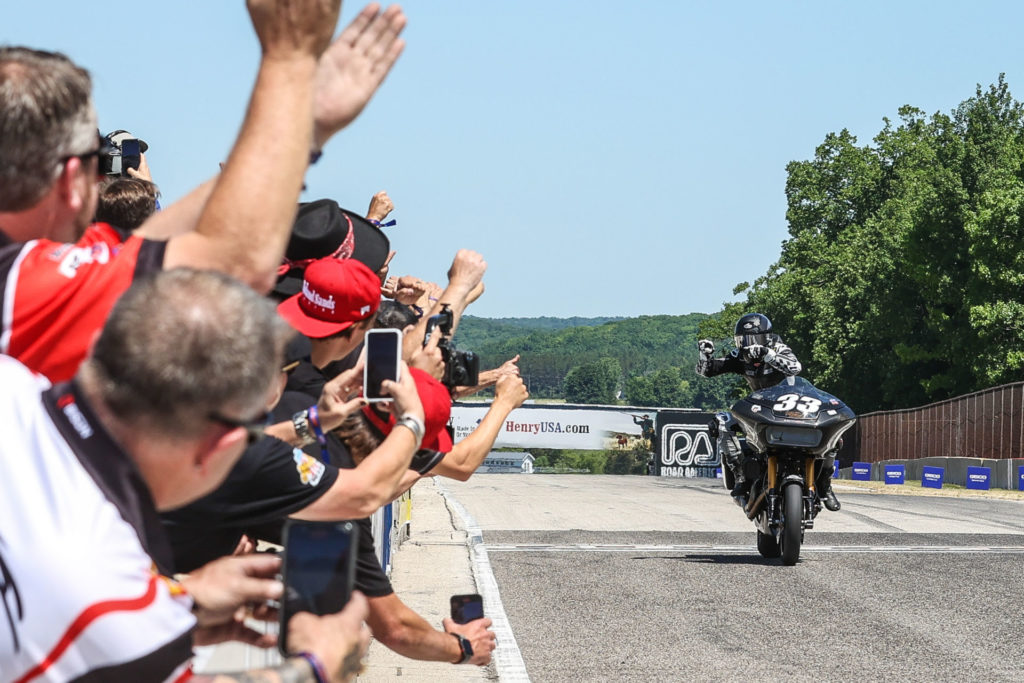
(792, 430)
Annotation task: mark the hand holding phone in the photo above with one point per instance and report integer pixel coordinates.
(318, 569)
(383, 362)
(131, 155)
(467, 608)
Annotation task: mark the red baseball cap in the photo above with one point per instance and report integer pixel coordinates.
(437, 407)
(336, 294)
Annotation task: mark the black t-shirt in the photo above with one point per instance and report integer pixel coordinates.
(370, 577)
(270, 481)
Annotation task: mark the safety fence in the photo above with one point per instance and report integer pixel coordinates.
(987, 424)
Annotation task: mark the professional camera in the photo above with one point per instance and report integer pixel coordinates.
(461, 368)
(119, 151)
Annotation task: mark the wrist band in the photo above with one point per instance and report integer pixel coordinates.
(383, 225)
(414, 425)
(314, 420)
(319, 673)
(300, 421)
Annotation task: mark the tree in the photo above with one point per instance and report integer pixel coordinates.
(593, 382)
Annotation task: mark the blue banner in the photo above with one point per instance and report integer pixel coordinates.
(1020, 478)
(931, 477)
(861, 471)
(894, 474)
(979, 478)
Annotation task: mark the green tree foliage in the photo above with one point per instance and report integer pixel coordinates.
(593, 382)
(901, 281)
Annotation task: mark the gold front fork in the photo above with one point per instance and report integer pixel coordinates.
(809, 473)
(773, 471)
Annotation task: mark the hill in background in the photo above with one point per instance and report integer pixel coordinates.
(647, 360)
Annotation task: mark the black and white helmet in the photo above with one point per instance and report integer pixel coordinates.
(754, 328)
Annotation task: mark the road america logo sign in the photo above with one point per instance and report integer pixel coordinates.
(687, 445)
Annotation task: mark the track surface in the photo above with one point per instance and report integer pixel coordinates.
(646, 579)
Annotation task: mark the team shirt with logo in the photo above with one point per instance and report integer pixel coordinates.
(54, 297)
(79, 594)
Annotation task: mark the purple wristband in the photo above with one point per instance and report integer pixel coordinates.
(318, 667)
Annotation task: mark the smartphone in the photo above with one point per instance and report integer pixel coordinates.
(131, 155)
(318, 570)
(383, 361)
(466, 608)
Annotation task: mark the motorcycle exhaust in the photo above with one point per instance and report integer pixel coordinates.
(755, 506)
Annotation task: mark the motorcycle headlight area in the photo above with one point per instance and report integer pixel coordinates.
(802, 437)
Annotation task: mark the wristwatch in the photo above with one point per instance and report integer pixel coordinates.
(465, 646)
(300, 421)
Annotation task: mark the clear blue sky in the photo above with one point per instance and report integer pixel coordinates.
(607, 158)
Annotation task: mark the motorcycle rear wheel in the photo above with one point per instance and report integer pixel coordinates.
(767, 545)
(792, 527)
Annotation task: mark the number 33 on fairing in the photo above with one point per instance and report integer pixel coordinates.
(805, 404)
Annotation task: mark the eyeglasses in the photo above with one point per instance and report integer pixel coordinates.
(253, 428)
(86, 155)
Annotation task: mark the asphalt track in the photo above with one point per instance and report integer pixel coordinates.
(606, 578)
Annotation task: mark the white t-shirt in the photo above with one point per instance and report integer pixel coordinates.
(78, 592)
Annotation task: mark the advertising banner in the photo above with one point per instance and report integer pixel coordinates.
(684, 445)
(894, 474)
(861, 471)
(567, 426)
(1020, 478)
(931, 477)
(979, 478)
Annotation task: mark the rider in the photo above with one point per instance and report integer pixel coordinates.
(764, 361)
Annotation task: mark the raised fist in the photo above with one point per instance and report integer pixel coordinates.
(755, 351)
(706, 347)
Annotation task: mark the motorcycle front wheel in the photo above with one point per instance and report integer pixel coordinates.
(792, 527)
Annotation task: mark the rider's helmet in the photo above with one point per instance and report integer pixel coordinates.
(754, 328)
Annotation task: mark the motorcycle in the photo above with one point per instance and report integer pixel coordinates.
(792, 429)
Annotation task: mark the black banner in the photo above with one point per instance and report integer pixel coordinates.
(683, 446)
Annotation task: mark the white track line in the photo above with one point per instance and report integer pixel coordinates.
(508, 659)
(611, 548)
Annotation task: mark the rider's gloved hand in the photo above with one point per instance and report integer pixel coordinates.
(755, 351)
(706, 347)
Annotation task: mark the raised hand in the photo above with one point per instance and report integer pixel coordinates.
(706, 347)
(294, 28)
(353, 67)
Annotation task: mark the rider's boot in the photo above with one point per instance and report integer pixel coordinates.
(828, 496)
(740, 489)
(824, 483)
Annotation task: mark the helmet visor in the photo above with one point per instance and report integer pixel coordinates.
(744, 340)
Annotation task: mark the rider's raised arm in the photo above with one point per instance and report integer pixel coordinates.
(782, 358)
(711, 367)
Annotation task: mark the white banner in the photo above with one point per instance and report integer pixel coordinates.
(552, 427)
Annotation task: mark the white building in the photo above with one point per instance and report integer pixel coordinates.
(516, 463)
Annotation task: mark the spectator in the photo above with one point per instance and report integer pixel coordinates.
(124, 439)
(57, 294)
(125, 203)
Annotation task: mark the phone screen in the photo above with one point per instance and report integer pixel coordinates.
(318, 569)
(383, 351)
(131, 155)
(466, 608)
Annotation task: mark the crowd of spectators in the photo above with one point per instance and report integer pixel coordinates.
(177, 382)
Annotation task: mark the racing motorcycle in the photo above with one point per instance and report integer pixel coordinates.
(791, 430)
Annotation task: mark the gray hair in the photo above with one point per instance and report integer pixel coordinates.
(182, 345)
(46, 115)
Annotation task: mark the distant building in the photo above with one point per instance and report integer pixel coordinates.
(516, 463)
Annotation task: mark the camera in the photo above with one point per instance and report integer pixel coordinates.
(119, 151)
(461, 368)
